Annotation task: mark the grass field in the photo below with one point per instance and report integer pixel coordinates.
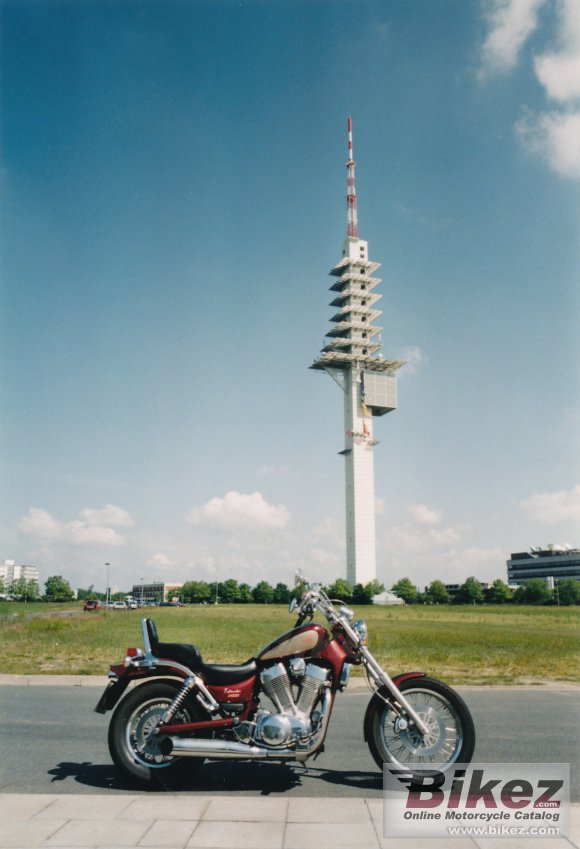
(462, 645)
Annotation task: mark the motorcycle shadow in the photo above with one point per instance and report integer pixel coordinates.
(267, 778)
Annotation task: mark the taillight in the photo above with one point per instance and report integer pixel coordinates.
(132, 654)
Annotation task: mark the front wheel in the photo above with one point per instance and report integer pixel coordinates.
(134, 748)
(450, 738)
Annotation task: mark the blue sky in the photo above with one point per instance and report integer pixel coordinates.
(173, 197)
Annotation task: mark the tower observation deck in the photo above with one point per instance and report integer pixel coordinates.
(352, 356)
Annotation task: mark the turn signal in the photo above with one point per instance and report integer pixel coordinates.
(360, 626)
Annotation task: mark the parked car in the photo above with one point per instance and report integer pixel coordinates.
(119, 605)
(91, 604)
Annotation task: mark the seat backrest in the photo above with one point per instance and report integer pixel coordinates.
(152, 632)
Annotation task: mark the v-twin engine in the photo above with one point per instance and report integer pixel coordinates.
(295, 720)
(293, 731)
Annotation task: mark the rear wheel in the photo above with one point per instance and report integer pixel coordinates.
(135, 749)
(450, 737)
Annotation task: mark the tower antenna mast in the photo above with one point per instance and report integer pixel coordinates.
(351, 213)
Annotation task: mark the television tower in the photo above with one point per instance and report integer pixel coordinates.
(351, 357)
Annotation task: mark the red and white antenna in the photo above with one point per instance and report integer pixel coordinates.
(351, 216)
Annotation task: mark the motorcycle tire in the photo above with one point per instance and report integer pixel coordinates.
(138, 758)
(451, 736)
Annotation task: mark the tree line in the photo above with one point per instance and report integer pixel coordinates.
(534, 591)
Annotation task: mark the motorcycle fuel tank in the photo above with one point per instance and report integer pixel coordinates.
(306, 640)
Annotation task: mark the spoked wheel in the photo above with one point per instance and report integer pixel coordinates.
(450, 734)
(135, 748)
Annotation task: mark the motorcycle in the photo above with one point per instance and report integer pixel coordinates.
(277, 705)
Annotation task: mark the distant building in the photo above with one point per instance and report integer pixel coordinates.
(453, 589)
(387, 597)
(554, 562)
(11, 572)
(156, 591)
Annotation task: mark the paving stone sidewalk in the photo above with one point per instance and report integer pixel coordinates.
(176, 821)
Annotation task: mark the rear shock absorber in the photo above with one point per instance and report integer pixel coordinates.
(188, 686)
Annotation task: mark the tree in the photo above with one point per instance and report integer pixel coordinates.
(229, 592)
(470, 592)
(263, 593)
(83, 594)
(245, 594)
(436, 593)
(196, 592)
(3, 590)
(406, 590)
(568, 591)
(23, 590)
(281, 594)
(57, 589)
(536, 591)
(340, 589)
(499, 593)
(375, 587)
(360, 595)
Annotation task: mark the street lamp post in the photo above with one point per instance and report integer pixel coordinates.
(107, 589)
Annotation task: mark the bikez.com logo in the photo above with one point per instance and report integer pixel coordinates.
(426, 793)
(481, 799)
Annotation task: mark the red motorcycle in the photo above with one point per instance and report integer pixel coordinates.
(277, 705)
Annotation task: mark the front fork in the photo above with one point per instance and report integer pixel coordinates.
(379, 674)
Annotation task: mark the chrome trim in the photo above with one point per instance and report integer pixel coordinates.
(150, 661)
(384, 678)
(230, 750)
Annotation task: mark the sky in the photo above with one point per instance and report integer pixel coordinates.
(173, 189)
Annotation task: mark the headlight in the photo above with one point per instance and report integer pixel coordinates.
(360, 626)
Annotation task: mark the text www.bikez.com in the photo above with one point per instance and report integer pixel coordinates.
(502, 831)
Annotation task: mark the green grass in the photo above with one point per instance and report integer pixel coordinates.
(461, 645)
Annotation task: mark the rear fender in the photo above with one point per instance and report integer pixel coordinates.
(117, 686)
(383, 693)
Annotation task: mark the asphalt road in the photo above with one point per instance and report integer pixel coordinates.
(51, 741)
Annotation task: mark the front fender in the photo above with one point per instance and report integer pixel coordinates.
(383, 693)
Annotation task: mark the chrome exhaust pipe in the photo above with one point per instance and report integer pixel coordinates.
(220, 750)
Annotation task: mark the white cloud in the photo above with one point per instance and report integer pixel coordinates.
(559, 70)
(511, 23)
(424, 515)
(109, 516)
(415, 358)
(554, 507)
(79, 533)
(161, 561)
(555, 137)
(238, 511)
(41, 525)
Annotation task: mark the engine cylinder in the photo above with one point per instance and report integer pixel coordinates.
(277, 687)
(312, 682)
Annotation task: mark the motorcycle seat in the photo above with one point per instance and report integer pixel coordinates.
(218, 674)
(222, 674)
